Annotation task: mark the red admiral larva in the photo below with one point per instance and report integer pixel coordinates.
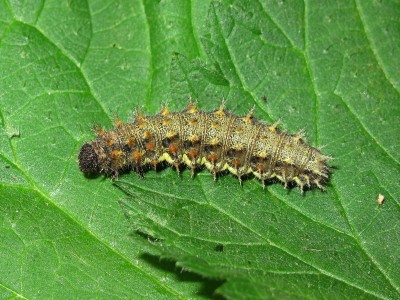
(218, 140)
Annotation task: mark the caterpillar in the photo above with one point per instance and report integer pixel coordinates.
(218, 140)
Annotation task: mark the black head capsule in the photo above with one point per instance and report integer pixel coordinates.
(88, 160)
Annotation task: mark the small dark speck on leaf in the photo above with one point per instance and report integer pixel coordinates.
(219, 248)
(148, 237)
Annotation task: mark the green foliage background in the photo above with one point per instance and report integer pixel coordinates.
(330, 67)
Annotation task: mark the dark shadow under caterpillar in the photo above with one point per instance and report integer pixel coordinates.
(218, 140)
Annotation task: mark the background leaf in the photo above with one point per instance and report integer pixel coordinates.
(330, 68)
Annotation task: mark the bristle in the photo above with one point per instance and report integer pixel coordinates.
(164, 109)
(274, 126)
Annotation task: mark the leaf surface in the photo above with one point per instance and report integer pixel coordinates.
(328, 68)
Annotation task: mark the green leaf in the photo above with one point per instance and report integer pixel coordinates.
(330, 68)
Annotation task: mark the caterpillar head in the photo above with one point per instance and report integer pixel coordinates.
(88, 160)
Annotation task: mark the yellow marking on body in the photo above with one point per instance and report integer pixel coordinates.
(232, 170)
(288, 161)
(187, 160)
(168, 158)
(165, 111)
(194, 138)
(262, 154)
(166, 121)
(147, 135)
(238, 146)
(171, 134)
(118, 123)
(115, 154)
(192, 108)
(214, 141)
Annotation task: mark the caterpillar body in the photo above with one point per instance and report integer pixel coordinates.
(217, 140)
